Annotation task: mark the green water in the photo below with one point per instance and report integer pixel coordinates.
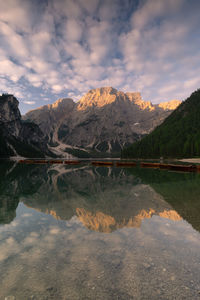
(98, 233)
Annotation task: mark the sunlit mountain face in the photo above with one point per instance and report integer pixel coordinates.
(101, 123)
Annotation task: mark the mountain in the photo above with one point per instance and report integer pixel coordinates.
(17, 137)
(177, 136)
(102, 121)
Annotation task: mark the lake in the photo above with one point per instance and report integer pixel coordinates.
(85, 232)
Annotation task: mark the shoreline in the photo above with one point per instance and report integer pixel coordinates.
(190, 160)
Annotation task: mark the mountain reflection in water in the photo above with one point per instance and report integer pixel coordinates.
(76, 233)
(104, 199)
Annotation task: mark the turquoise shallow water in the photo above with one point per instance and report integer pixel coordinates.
(98, 233)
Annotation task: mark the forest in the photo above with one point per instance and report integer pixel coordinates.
(177, 137)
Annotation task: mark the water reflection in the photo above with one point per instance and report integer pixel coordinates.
(104, 199)
(54, 241)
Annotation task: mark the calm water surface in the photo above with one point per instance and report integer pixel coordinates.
(98, 233)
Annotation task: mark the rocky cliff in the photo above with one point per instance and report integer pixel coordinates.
(104, 120)
(19, 138)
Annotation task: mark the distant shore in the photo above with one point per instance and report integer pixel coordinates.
(191, 160)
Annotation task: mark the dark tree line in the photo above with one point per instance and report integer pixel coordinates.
(177, 136)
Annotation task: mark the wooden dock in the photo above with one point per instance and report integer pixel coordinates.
(170, 167)
(71, 162)
(149, 165)
(126, 164)
(102, 163)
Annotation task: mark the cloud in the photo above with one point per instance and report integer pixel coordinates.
(153, 9)
(34, 79)
(57, 88)
(73, 30)
(191, 83)
(12, 42)
(11, 70)
(70, 46)
(67, 8)
(29, 102)
(158, 45)
(168, 89)
(99, 43)
(17, 13)
(89, 5)
(8, 86)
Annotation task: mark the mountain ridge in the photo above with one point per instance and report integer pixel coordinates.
(103, 120)
(132, 96)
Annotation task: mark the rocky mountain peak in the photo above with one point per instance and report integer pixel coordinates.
(103, 91)
(9, 108)
(170, 105)
(137, 99)
(61, 103)
(19, 138)
(59, 106)
(98, 97)
(103, 120)
(106, 95)
(134, 96)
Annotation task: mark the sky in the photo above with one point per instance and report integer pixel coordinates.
(50, 49)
